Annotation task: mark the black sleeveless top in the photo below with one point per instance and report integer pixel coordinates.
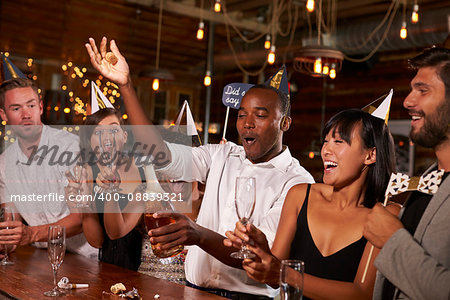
(125, 251)
(341, 266)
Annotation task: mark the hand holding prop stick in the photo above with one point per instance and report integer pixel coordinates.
(400, 183)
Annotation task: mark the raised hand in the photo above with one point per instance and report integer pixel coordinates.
(118, 72)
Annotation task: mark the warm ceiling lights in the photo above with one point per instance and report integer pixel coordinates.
(271, 56)
(310, 5)
(318, 61)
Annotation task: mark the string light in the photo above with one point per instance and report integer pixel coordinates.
(200, 31)
(271, 56)
(403, 31)
(207, 79)
(415, 13)
(124, 116)
(325, 70)
(67, 110)
(310, 5)
(217, 6)
(333, 72)
(155, 84)
(267, 42)
(318, 65)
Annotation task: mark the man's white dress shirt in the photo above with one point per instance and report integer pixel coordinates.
(218, 166)
(24, 177)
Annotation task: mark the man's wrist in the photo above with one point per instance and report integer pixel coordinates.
(126, 85)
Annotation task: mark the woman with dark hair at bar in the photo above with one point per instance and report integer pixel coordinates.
(102, 142)
(322, 224)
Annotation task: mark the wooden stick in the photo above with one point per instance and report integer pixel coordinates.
(371, 249)
(226, 122)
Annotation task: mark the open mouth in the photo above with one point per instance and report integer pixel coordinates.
(329, 165)
(416, 117)
(249, 140)
(107, 146)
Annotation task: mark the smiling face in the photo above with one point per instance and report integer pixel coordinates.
(344, 162)
(428, 108)
(23, 108)
(108, 138)
(258, 124)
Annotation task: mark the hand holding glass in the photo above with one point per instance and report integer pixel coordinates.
(245, 199)
(56, 251)
(291, 279)
(6, 214)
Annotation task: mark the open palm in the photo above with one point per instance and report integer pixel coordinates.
(119, 72)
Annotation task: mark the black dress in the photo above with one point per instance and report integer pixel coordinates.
(125, 251)
(341, 266)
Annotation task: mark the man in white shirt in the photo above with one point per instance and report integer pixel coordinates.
(31, 177)
(263, 117)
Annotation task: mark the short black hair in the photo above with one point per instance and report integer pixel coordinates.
(373, 133)
(285, 106)
(435, 57)
(15, 83)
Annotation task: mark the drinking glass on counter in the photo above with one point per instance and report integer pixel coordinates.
(291, 279)
(56, 250)
(6, 214)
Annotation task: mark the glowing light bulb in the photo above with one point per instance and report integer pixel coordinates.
(200, 31)
(124, 116)
(67, 110)
(207, 79)
(217, 6)
(332, 73)
(271, 56)
(310, 5)
(415, 14)
(311, 155)
(325, 70)
(403, 31)
(155, 84)
(267, 42)
(318, 65)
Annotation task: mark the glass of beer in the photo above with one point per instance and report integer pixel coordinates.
(152, 223)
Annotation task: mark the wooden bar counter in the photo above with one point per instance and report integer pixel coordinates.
(31, 276)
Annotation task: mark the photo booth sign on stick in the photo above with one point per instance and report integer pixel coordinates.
(232, 97)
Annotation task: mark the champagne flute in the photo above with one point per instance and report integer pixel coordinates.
(6, 214)
(56, 251)
(245, 199)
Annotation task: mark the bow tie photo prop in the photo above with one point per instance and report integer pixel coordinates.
(400, 183)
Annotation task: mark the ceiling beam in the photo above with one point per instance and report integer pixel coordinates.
(194, 12)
